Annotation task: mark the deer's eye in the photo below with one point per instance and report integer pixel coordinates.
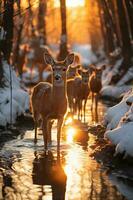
(64, 69)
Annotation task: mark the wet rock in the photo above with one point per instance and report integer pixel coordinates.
(24, 122)
(104, 152)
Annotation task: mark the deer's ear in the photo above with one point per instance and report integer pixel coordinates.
(49, 59)
(69, 59)
(78, 66)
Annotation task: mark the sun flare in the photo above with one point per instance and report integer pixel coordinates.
(71, 3)
(70, 134)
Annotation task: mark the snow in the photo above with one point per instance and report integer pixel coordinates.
(119, 121)
(20, 98)
(114, 91)
(87, 56)
(122, 186)
(127, 77)
(121, 87)
(33, 77)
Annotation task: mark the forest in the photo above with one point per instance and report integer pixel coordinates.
(66, 99)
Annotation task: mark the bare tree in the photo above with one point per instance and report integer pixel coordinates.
(63, 41)
(19, 28)
(129, 6)
(8, 28)
(108, 28)
(126, 42)
(42, 19)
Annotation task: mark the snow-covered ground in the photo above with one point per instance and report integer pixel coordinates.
(119, 122)
(20, 98)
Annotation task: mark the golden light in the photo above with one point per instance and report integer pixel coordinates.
(73, 161)
(71, 3)
(68, 120)
(70, 132)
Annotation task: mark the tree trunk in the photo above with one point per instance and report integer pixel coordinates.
(126, 43)
(19, 34)
(110, 10)
(129, 6)
(108, 29)
(63, 41)
(31, 19)
(102, 25)
(8, 28)
(42, 19)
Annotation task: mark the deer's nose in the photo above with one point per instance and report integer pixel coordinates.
(57, 77)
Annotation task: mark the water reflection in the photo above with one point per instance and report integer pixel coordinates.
(48, 172)
(27, 173)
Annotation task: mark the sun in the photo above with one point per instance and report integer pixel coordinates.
(71, 3)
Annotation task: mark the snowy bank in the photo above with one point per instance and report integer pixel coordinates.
(121, 87)
(119, 122)
(20, 98)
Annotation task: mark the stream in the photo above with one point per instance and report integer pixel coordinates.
(27, 173)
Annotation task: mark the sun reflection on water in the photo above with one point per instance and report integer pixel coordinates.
(70, 133)
(68, 120)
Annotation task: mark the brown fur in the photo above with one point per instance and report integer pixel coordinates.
(95, 85)
(49, 101)
(71, 75)
(82, 92)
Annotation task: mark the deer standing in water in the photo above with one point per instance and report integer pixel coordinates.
(95, 84)
(72, 74)
(82, 92)
(49, 101)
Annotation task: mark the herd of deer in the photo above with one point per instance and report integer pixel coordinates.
(68, 85)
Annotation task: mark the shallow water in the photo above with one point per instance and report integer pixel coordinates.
(27, 173)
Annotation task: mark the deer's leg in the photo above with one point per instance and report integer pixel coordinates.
(96, 116)
(49, 127)
(96, 103)
(45, 136)
(35, 137)
(75, 106)
(71, 105)
(81, 110)
(35, 125)
(85, 101)
(59, 127)
(97, 98)
(78, 106)
(92, 97)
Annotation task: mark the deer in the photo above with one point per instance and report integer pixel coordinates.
(71, 75)
(82, 92)
(95, 84)
(49, 101)
(72, 72)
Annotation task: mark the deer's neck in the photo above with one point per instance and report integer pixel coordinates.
(59, 91)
